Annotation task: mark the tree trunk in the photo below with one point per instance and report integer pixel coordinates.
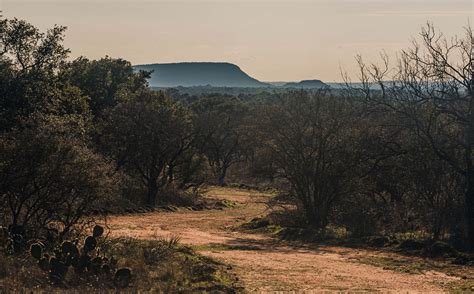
(469, 196)
(170, 174)
(317, 219)
(469, 209)
(151, 194)
(222, 174)
(317, 214)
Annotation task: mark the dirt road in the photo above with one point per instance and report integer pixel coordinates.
(265, 264)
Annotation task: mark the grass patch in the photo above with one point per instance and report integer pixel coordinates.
(261, 225)
(464, 283)
(158, 266)
(396, 264)
(222, 247)
(227, 204)
(463, 286)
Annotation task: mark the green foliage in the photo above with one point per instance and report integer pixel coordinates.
(48, 179)
(49, 176)
(149, 135)
(106, 81)
(31, 82)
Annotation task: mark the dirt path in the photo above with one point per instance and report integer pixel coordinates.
(265, 264)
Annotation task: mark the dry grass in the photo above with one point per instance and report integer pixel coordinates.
(158, 266)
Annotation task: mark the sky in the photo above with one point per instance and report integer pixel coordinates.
(284, 40)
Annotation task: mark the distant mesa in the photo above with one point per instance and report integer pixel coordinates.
(212, 74)
(306, 84)
(191, 74)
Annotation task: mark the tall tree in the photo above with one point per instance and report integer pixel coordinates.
(30, 79)
(432, 94)
(105, 81)
(147, 134)
(318, 145)
(47, 174)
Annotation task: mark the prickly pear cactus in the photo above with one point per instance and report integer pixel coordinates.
(123, 277)
(36, 250)
(89, 244)
(43, 263)
(85, 261)
(98, 231)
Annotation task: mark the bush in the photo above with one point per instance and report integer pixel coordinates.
(464, 259)
(378, 241)
(411, 244)
(173, 196)
(316, 142)
(439, 248)
(50, 182)
(256, 223)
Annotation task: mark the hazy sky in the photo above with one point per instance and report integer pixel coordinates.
(270, 40)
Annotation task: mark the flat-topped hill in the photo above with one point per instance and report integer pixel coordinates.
(189, 74)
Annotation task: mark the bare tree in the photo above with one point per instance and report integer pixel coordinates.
(431, 92)
(316, 144)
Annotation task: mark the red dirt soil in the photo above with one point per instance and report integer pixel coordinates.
(264, 263)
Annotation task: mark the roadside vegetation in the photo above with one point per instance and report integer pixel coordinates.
(390, 163)
(161, 266)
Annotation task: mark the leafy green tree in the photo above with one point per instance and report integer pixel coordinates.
(147, 135)
(49, 180)
(30, 80)
(48, 177)
(105, 81)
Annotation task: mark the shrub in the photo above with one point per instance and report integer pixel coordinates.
(50, 182)
(316, 143)
(378, 241)
(440, 248)
(411, 244)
